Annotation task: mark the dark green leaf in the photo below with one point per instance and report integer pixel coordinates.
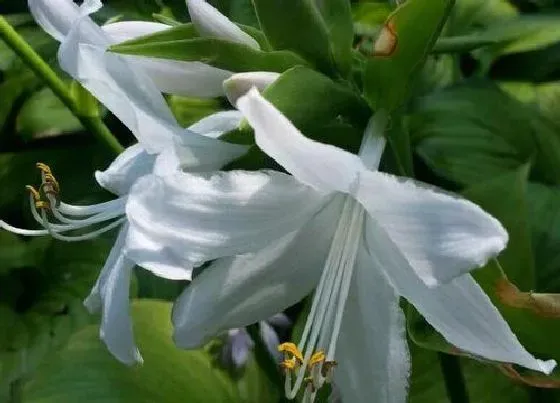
(408, 36)
(216, 52)
(324, 30)
(86, 372)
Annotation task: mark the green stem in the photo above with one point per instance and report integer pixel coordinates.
(453, 378)
(16, 391)
(92, 123)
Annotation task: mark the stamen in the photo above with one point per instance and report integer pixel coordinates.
(324, 321)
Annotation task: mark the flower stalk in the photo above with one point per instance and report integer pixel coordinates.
(94, 124)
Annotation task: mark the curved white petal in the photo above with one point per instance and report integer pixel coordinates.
(240, 83)
(459, 310)
(238, 291)
(131, 164)
(93, 302)
(190, 79)
(210, 22)
(319, 165)
(373, 143)
(372, 351)
(116, 323)
(111, 295)
(217, 123)
(126, 91)
(200, 218)
(55, 16)
(441, 236)
(270, 339)
(122, 31)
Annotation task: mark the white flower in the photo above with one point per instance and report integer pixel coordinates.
(356, 237)
(133, 98)
(60, 17)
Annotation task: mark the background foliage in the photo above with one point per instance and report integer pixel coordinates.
(484, 120)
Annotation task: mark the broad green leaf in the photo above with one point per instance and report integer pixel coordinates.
(86, 372)
(324, 30)
(14, 253)
(216, 52)
(44, 115)
(370, 14)
(471, 132)
(243, 12)
(517, 259)
(403, 45)
(468, 15)
(544, 208)
(484, 383)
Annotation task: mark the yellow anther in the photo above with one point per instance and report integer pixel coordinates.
(40, 204)
(289, 364)
(291, 349)
(34, 192)
(317, 358)
(43, 168)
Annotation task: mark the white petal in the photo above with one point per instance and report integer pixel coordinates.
(238, 291)
(111, 295)
(184, 156)
(116, 324)
(200, 218)
(270, 339)
(239, 84)
(93, 302)
(441, 236)
(217, 124)
(210, 22)
(241, 345)
(373, 143)
(123, 89)
(55, 16)
(319, 165)
(372, 351)
(131, 164)
(126, 30)
(190, 79)
(459, 310)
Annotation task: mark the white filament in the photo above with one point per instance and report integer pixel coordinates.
(325, 317)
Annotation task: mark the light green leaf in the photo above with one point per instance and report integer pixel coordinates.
(190, 110)
(324, 31)
(216, 52)
(471, 132)
(404, 43)
(86, 372)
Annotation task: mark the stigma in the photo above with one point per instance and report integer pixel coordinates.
(310, 364)
(64, 221)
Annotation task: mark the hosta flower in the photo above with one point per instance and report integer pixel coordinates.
(355, 237)
(133, 98)
(238, 343)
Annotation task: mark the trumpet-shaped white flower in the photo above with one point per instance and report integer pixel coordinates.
(356, 237)
(125, 89)
(60, 17)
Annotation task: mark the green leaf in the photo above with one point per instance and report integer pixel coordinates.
(406, 39)
(484, 383)
(216, 52)
(471, 132)
(190, 110)
(86, 372)
(324, 31)
(44, 115)
(370, 14)
(14, 253)
(512, 211)
(544, 208)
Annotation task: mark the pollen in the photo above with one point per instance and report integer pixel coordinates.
(290, 350)
(317, 358)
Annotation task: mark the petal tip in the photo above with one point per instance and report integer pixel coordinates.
(546, 366)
